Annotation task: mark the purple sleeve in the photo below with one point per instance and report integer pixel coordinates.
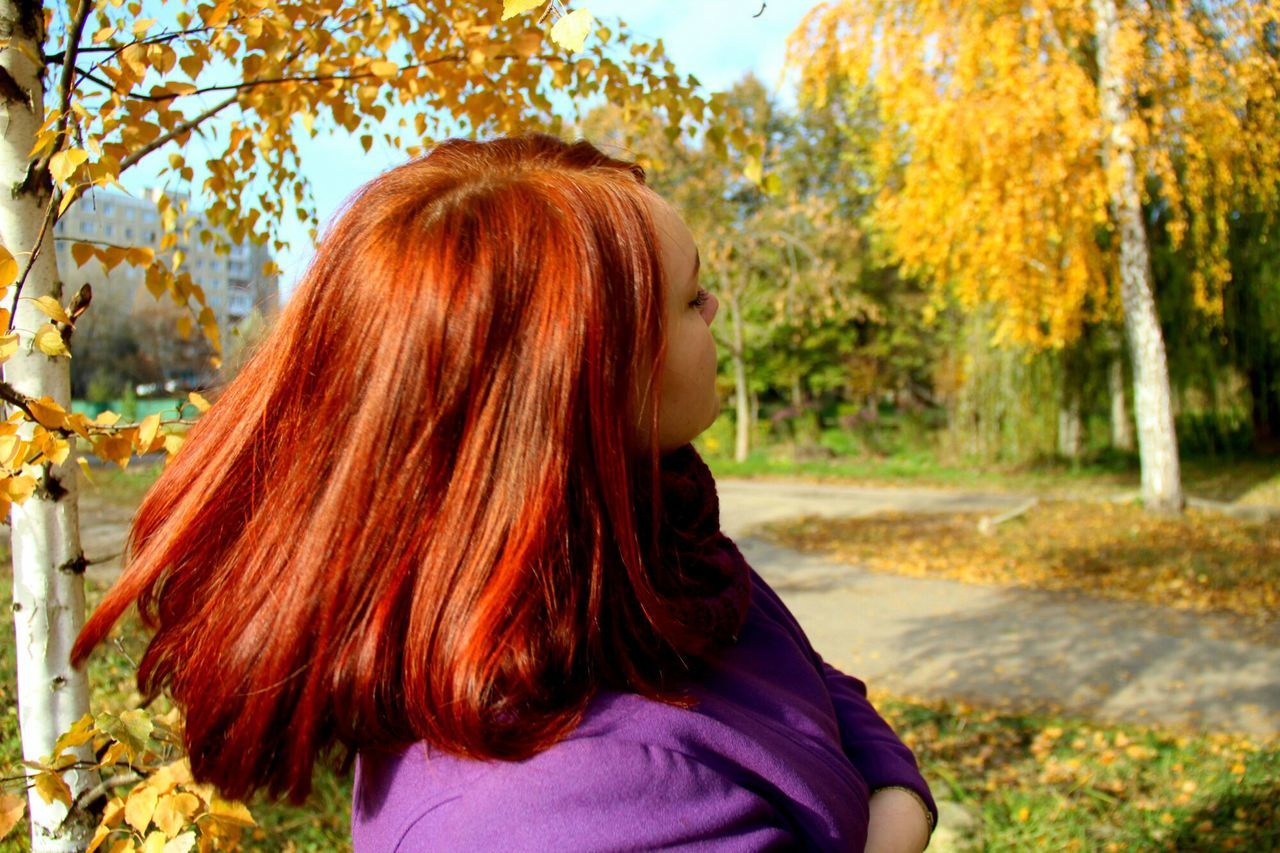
(592, 794)
(873, 747)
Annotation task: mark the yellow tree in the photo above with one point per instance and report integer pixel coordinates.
(1022, 139)
(93, 88)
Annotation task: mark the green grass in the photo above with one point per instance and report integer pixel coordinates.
(837, 456)
(1045, 782)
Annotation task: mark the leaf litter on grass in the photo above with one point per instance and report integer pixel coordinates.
(1198, 561)
(1054, 782)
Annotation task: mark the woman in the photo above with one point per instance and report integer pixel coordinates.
(448, 517)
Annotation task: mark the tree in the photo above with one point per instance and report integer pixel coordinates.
(90, 91)
(1021, 138)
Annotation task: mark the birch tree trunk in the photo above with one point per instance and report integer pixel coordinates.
(1157, 440)
(1070, 417)
(1121, 422)
(48, 565)
(741, 394)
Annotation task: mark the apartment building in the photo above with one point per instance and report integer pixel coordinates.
(233, 283)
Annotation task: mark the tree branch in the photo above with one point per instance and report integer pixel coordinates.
(90, 795)
(185, 127)
(54, 198)
(15, 397)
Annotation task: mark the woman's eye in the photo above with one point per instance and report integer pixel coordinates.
(700, 300)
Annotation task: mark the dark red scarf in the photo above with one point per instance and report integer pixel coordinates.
(712, 581)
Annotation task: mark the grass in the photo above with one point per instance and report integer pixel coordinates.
(1197, 561)
(1042, 782)
(911, 459)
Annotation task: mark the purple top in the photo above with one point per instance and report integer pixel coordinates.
(780, 751)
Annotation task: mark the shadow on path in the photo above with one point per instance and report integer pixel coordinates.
(1110, 660)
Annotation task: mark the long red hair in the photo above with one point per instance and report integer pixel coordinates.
(413, 515)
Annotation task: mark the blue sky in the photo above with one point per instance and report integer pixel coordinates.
(716, 40)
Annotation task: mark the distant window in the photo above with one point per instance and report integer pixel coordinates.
(149, 216)
(108, 229)
(128, 233)
(199, 263)
(60, 228)
(151, 236)
(86, 227)
(128, 213)
(108, 208)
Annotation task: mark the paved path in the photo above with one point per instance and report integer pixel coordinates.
(1106, 659)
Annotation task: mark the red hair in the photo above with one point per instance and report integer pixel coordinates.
(413, 515)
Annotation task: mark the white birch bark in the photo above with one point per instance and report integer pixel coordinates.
(1070, 427)
(1157, 441)
(48, 582)
(1070, 417)
(1121, 422)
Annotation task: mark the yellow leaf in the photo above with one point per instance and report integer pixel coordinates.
(139, 807)
(52, 788)
(106, 418)
(140, 256)
(48, 413)
(103, 34)
(173, 443)
(49, 341)
(8, 345)
(198, 401)
(113, 256)
(141, 25)
(54, 448)
(114, 448)
(99, 835)
(82, 252)
(8, 269)
(525, 44)
(384, 69)
(18, 489)
(184, 843)
(162, 57)
(154, 843)
(511, 8)
(64, 163)
(571, 31)
(53, 309)
(174, 811)
(147, 432)
(81, 732)
(231, 812)
(10, 447)
(84, 469)
(11, 810)
(171, 775)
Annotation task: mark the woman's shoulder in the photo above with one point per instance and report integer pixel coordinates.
(758, 751)
(596, 791)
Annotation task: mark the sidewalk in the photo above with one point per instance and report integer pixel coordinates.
(1109, 660)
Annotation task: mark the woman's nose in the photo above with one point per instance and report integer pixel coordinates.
(713, 305)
